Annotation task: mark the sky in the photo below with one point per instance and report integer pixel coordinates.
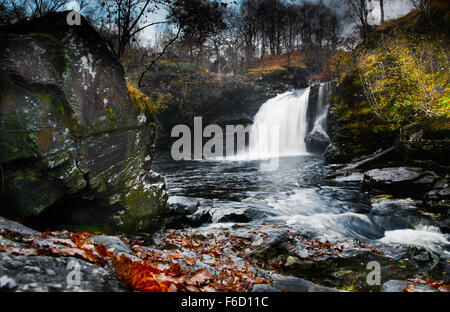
(392, 9)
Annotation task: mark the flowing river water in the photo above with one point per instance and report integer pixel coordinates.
(299, 192)
(300, 195)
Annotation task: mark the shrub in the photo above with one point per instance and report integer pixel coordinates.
(406, 79)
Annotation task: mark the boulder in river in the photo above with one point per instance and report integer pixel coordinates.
(317, 141)
(410, 181)
(73, 150)
(237, 214)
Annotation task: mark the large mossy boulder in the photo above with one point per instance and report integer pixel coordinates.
(73, 151)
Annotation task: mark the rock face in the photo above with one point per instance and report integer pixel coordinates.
(72, 148)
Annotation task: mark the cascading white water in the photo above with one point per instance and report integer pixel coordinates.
(280, 126)
(321, 110)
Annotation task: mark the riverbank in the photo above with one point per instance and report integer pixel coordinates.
(221, 241)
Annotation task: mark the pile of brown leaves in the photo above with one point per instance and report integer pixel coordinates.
(316, 248)
(443, 286)
(141, 271)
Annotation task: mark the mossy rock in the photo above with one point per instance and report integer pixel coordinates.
(68, 131)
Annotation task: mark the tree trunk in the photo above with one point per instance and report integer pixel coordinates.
(382, 10)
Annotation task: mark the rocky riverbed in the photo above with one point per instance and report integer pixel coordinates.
(78, 156)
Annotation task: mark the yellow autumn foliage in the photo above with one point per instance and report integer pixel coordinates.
(407, 77)
(341, 63)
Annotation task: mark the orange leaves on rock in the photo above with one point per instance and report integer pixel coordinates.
(143, 276)
(18, 250)
(62, 244)
(316, 248)
(373, 249)
(202, 278)
(443, 286)
(152, 269)
(410, 288)
(215, 251)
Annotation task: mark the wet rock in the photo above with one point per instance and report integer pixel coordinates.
(181, 210)
(76, 150)
(11, 226)
(299, 250)
(423, 258)
(398, 286)
(354, 177)
(396, 213)
(387, 205)
(252, 211)
(114, 243)
(291, 261)
(443, 193)
(200, 217)
(42, 274)
(294, 284)
(334, 154)
(377, 158)
(399, 180)
(317, 142)
(182, 205)
(271, 247)
(440, 191)
(242, 215)
(264, 288)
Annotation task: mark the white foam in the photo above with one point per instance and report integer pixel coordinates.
(425, 236)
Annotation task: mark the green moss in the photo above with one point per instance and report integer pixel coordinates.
(17, 141)
(144, 208)
(95, 230)
(110, 113)
(45, 99)
(29, 192)
(55, 50)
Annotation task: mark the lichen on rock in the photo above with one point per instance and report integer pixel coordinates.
(69, 133)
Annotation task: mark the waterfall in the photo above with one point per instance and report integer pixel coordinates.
(320, 122)
(280, 126)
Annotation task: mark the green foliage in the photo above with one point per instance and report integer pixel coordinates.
(406, 77)
(398, 79)
(361, 131)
